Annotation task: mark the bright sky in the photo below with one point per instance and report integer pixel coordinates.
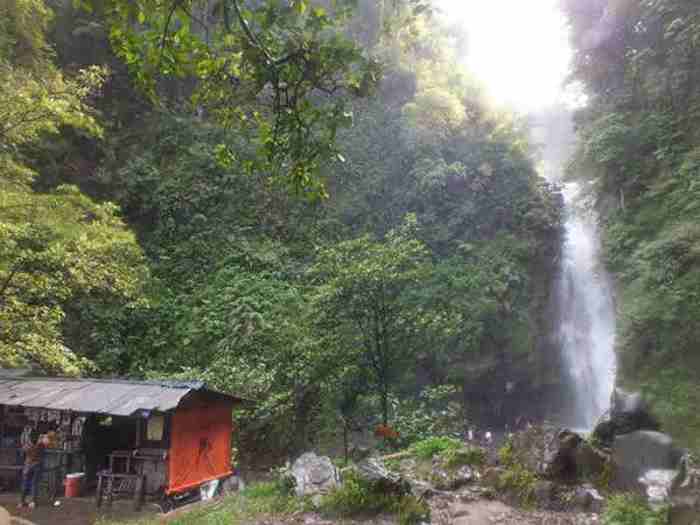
(518, 48)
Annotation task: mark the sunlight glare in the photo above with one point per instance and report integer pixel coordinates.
(519, 49)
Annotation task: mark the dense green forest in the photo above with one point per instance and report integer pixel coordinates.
(312, 204)
(638, 151)
(307, 205)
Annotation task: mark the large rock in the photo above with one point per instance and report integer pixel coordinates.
(685, 496)
(374, 471)
(628, 413)
(314, 475)
(590, 461)
(586, 498)
(657, 484)
(636, 453)
(451, 478)
(544, 494)
(547, 451)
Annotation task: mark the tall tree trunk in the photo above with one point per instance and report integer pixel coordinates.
(385, 404)
(345, 441)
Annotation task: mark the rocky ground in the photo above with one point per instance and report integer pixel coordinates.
(479, 512)
(555, 471)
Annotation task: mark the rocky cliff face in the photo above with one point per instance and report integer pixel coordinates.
(523, 380)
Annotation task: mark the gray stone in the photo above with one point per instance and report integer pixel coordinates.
(231, 485)
(491, 476)
(590, 461)
(685, 496)
(544, 494)
(359, 453)
(314, 475)
(373, 470)
(624, 402)
(547, 451)
(636, 453)
(657, 485)
(588, 499)
(421, 489)
(451, 479)
(628, 413)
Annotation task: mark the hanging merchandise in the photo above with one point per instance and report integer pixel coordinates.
(78, 425)
(53, 416)
(25, 439)
(33, 414)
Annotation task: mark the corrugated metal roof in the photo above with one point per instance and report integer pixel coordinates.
(114, 397)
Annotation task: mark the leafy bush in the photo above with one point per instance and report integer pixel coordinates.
(627, 509)
(284, 480)
(454, 458)
(358, 496)
(430, 447)
(433, 412)
(412, 511)
(269, 497)
(516, 477)
(506, 454)
(520, 480)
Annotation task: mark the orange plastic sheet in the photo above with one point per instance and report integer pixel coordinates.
(200, 445)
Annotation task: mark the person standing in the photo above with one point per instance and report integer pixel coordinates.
(33, 455)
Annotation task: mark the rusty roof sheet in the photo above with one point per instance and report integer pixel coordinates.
(114, 397)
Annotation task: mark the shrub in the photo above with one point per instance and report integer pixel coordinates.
(430, 447)
(358, 496)
(284, 480)
(433, 412)
(269, 497)
(521, 481)
(627, 509)
(473, 456)
(516, 477)
(506, 454)
(413, 511)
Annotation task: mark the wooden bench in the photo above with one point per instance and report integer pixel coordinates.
(110, 483)
(17, 469)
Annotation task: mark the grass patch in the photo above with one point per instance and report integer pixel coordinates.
(455, 458)
(627, 509)
(358, 497)
(428, 448)
(516, 477)
(256, 501)
(519, 480)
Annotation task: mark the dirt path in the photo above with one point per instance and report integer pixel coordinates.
(478, 512)
(485, 512)
(76, 511)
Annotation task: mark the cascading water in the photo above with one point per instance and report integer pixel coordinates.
(586, 324)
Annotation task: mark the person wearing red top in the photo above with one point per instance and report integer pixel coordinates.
(33, 454)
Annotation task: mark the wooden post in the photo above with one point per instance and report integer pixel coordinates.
(100, 487)
(138, 492)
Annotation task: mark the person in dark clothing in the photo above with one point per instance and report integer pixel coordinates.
(33, 454)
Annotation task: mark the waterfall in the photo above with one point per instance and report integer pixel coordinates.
(586, 317)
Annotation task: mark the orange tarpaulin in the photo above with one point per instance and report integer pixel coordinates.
(200, 445)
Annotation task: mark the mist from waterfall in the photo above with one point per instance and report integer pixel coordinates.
(586, 317)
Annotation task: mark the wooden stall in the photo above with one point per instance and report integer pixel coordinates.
(154, 438)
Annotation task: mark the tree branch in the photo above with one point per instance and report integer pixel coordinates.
(6, 284)
(253, 39)
(165, 30)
